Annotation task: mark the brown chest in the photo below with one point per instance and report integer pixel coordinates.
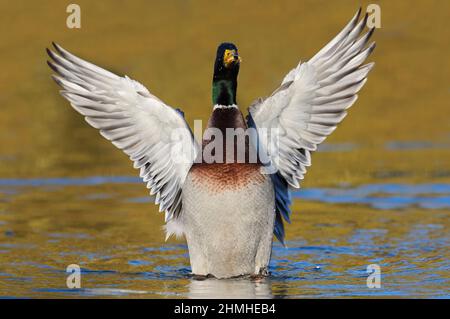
(221, 176)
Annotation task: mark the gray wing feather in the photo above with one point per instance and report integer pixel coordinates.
(311, 101)
(134, 120)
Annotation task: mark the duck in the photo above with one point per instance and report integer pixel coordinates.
(229, 194)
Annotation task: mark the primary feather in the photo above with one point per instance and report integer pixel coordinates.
(154, 135)
(311, 101)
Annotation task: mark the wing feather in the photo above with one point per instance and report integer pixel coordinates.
(134, 120)
(312, 100)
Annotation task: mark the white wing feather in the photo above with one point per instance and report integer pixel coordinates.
(312, 100)
(154, 135)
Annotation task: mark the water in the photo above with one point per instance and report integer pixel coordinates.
(377, 192)
(98, 223)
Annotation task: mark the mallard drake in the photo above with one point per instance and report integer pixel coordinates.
(228, 210)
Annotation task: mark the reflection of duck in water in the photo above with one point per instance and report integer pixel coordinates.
(232, 288)
(227, 211)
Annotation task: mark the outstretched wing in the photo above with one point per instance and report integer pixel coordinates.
(311, 101)
(155, 136)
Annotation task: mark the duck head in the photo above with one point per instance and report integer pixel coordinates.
(226, 69)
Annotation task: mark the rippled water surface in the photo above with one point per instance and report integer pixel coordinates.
(378, 191)
(100, 224)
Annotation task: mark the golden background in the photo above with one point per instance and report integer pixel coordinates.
(169, 46)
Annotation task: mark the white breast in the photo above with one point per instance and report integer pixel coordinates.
(228, 216)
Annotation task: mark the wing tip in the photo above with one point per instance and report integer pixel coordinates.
(51, 54)
(357, 14)
(52, 66)
(57, 79)
(372, 46)
(371, 31)
(57, 47)
(364, 21)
